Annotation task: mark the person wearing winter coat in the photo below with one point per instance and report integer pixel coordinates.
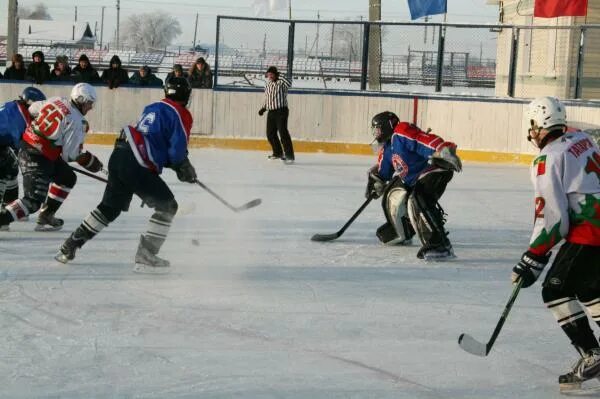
(145, 77)
(17, 70)
(61, 71)
(39, 70)
(115, 75)
(84, 72)
(176, 73)
(200, 75)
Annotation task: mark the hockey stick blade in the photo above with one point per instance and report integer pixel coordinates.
(252, 204)
(472, 346)
(325, 237)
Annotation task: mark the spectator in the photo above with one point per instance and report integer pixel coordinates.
(39, 70)
(145, 77)
(17, 70)
(200, 76)
(61, 71)
(115, 75)
(85, 72)
(177, 73)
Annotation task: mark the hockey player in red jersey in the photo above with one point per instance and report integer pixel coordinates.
(566, 178)
(54, 138)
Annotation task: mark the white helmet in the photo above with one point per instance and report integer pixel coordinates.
(546, 112)
(83, 93)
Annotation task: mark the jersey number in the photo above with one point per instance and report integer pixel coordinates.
(144, 124)
(593, 164)
(49, 120)
(540, 204)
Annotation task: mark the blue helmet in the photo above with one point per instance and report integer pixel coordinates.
(31, 94)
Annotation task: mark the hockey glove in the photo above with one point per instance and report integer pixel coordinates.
(262, 111)
(90, 162)
(446, 158)
(529, 268)
(375, 185)
(185, 171)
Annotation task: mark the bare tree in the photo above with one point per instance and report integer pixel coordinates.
(150, 31)
(40, 11)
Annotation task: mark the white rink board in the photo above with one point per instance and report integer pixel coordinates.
(257, 310)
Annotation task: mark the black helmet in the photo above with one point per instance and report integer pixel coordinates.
(178, 89)
(31, 94)
(383, 125)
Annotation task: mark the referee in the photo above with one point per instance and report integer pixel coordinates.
(276, 92)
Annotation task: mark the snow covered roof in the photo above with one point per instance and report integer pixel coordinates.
(31, 30)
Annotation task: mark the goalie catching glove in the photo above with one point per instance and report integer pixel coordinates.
(375, 185)
(446, 158)
(529, 268)
(185, 171)
(90, 162)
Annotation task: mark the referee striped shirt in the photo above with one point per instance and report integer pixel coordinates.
(276, 94)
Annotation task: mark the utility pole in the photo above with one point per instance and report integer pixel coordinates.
(12, 30)
(290, 9)
(375, 46)
(118, 20)
(75, 13)
(332, 39)
(318, 27)
(195, 31)
(102, 28)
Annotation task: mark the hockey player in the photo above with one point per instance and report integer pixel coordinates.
(159, 139)
(14, 119)
(54, 138)
(566, 178)
(411, 174)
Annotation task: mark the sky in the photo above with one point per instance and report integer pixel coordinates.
(469, 11)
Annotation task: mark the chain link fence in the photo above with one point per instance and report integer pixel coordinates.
(484, 60)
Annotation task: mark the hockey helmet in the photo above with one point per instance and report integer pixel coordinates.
(383, 125)
(83, 93)
(178, 89)
(30, 95)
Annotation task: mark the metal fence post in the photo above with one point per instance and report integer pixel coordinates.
(216, 66)
(580, 60)
(290, 55)
(512, 69)
(365, 57)
(440, 58)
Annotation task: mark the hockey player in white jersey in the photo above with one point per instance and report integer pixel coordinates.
(54, 138)
(566, 178)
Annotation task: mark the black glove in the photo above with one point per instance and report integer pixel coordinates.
(90, 162)
(529, 268)
(185, 171)
(375, 185)
(262, 111)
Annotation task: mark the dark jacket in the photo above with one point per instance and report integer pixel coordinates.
(114, 77)
(13, 73)
(201, 78)
(172, 75)
(58, 76)
(87, 75)
(38, 72)
(150, 80)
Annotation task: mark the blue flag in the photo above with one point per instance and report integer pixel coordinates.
(423, 8)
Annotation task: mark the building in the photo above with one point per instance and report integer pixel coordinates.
(53, 33)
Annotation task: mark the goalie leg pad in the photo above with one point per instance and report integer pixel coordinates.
(398, 228)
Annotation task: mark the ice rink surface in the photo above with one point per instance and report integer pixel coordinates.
(257, 310)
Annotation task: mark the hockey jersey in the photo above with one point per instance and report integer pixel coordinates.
(407, 153)
(566, 178)
(161, 135)
(14, 119)
(57, 129)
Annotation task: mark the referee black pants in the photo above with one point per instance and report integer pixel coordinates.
(277, 120)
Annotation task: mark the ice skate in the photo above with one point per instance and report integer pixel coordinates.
(436, 254)
(572, 384)
(146, 260)
(48, 222)
(274, 157)
(67, 251)
(288, 160)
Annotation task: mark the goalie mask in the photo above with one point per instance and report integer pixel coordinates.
(383, 125)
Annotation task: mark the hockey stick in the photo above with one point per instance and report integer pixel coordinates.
(248, 205)
(333, 236)
(89, 174)
(471, 345)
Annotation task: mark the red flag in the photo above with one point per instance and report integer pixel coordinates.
(560, 8)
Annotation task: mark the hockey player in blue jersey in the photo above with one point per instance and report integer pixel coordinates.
(411, 174)
(158, 140)
(14, 119)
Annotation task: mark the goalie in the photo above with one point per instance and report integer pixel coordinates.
(411, 174)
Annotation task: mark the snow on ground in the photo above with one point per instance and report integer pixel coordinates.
(257, 310)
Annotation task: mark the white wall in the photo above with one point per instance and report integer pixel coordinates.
(475, 124)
